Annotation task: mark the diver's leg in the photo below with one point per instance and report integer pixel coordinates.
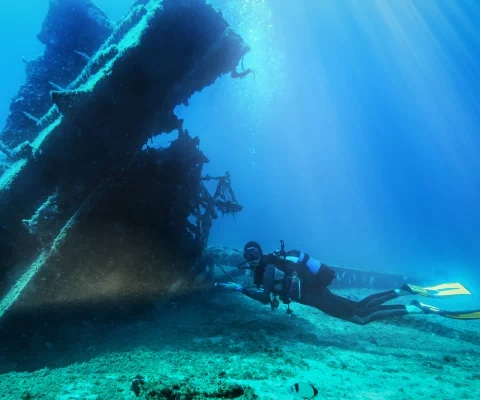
(380, 298)
(324, 300)
(348, 310)
(364, 316)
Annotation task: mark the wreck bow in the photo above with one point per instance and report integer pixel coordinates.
(75, 181)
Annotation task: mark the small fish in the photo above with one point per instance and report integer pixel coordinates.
(135, 387)
(303, 390)
(137, 383)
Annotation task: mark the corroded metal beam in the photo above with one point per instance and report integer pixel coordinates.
(160, 54)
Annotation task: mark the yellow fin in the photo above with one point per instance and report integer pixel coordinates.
(473, 314)
(464, 315)
(447, 289)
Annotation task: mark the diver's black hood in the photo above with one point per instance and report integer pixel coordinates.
(252, 248)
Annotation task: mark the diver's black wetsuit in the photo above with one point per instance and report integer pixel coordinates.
(362, 312)
(319, 296)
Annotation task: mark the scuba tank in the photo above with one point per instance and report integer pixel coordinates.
(288, 288)
(310, 269)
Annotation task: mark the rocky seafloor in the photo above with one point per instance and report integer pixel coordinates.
(224, 345)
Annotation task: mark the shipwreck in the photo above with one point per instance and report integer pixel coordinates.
(91, 220)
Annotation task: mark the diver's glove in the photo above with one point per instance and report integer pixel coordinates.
(230, 286)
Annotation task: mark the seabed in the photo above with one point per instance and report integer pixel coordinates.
(223, 345)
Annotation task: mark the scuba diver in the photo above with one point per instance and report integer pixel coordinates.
(294, 276)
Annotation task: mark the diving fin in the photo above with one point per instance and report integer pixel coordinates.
(443, 290)
(472, 314)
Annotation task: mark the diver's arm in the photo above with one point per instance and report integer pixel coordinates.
(263, 295)
(257, 294)
(253, 293)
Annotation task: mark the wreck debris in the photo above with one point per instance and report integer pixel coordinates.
(81, 163)
(85, 56)
(55, 86)
(243, 73)
(69, 25)
(5, 158)
(47, 211)
(32, 118)
(223, 199)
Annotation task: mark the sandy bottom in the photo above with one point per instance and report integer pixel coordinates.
(228, 346)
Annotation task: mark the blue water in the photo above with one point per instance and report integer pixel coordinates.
(357, 139)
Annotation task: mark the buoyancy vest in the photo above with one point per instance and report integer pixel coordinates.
(307, 268)
(287, 287)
